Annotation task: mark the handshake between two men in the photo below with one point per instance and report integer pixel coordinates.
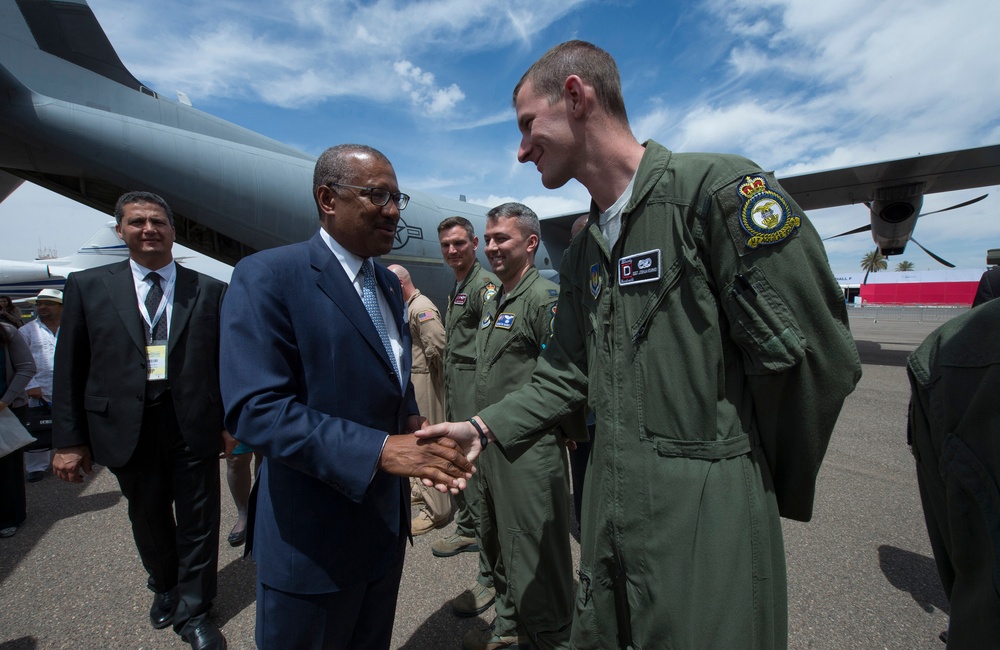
(440, 455)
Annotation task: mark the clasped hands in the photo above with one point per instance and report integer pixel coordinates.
(440, 455)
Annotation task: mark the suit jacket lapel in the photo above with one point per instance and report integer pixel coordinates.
(185, 293)
(121, 289)
(334, 283)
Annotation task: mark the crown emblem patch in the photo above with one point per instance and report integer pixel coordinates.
(765, 214)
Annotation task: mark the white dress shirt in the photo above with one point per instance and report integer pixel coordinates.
(352, 267)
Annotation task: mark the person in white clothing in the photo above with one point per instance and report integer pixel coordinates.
(40, 335)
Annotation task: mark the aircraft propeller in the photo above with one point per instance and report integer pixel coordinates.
(936, 258)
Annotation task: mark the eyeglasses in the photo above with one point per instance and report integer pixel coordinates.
(379, 196)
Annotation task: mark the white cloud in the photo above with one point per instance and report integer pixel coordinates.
(884, 80)
(298, 53)
(423, 92)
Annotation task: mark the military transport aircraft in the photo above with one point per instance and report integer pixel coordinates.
(75, 121)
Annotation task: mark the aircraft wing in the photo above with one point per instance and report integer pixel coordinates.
(943, 172)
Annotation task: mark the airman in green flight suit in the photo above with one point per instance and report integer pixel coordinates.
(699, 318)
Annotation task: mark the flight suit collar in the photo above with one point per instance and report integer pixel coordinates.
(473, 273)
(654, 163)
(522, 285)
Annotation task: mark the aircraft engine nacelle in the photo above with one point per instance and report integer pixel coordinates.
(26, 279)
(894, 215)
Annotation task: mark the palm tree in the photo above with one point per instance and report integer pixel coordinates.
(874, 262)
(904, 266)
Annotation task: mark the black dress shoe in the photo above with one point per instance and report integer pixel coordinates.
(34, 477)
(237, 539)
(205, 636)
(161, 614)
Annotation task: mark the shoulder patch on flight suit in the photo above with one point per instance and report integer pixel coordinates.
(505, 321)
(765, 215)
(460, 299)
(425, 316)
(491, 291)
(595, 280)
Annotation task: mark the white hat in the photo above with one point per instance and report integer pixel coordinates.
(52, 295)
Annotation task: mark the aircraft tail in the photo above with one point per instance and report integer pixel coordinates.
(69, 30)
(103, 248)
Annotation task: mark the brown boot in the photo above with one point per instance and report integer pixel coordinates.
(423, 523)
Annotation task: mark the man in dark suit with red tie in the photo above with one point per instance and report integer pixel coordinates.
(316, 377)
(136, 389)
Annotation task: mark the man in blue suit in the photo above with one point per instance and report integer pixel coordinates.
(316, 376)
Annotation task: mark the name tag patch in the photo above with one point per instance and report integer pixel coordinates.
(460, 299)
(505, 321)
(639, 268)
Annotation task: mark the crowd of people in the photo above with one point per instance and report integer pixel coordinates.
(684, 325)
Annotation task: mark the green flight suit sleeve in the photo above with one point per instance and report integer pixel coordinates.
(574, 425)
(787, 315)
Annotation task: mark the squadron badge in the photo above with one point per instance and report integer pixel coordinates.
(765, 214)
(487, 319)
(595, 280)
(491, 292)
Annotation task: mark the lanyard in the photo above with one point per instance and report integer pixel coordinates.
(162, 307)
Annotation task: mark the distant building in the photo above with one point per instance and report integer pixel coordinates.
(947, 287)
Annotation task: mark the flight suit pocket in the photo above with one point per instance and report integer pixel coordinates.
(761, 324)
(670, 278)
(585, 615)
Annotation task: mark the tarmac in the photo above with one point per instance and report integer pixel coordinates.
(860, 574)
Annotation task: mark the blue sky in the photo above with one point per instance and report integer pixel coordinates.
(796, 85)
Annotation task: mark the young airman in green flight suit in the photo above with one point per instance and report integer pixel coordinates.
(699, 317)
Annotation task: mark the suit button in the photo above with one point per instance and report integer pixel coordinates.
(142, 366)
(139, 397)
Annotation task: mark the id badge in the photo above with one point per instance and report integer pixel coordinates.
(156, 361)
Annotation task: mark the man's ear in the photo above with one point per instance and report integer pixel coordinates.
(326, 199)
(575, 92)
(532, 243)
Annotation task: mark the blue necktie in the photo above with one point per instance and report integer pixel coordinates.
(370, 299)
